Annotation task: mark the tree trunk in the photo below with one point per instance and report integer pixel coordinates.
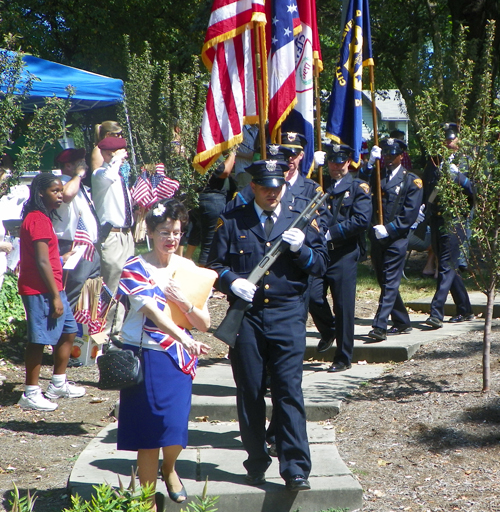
(490, 302)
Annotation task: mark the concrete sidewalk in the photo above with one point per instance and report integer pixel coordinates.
(215, 448)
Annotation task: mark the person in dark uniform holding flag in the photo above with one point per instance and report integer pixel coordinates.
(348, 214)
(273, 331)
(447, 242)
(401, 199)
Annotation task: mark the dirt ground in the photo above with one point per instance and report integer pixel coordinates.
(420, 438)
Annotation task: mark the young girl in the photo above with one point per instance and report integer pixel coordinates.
(48, 314)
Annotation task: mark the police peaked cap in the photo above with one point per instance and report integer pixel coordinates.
(451, 130)
(338, 153)
(392, 146)
(268, 173)
(278, 152)
(70, 155)
(296, 142)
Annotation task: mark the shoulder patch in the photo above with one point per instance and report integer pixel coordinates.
(314, 224)
(365, 187)
(318, 189)
(418, 182)
(220, 223)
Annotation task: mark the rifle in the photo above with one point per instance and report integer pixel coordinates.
(230, 325)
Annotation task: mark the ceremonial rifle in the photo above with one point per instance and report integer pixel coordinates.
(230, 325)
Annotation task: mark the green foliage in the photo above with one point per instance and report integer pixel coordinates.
(12, 319)
(24, 504)
(164, 112)
(109, 499)
(206, 503)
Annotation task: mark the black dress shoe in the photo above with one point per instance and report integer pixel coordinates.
(462, 318)
(404, 329)
(271, 450)
(338, 367)
(378, 334)
(325, 344)
(298, 483)
(434, 322)
(255, 479)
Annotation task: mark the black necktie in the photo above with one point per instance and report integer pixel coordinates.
(269, 223)
(92, 209)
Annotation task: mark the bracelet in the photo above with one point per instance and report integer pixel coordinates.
(190, 310)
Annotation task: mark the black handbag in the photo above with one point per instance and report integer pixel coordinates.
(118, 368)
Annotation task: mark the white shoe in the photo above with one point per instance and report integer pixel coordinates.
(36, 401)
(67, 390)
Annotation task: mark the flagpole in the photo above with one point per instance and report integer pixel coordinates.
(318, 118)
(260, 94)
(378, 189)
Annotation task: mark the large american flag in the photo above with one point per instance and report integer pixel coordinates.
(283, 24)
(228, 52)
(82, 237)
(136, 280)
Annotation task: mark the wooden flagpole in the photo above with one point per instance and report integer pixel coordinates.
(260, 93)
(378, 189)
(318, 118)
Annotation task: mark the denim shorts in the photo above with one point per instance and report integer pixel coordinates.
(42, 328)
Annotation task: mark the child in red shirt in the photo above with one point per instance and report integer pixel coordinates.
(48, 314)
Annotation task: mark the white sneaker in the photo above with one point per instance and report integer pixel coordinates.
(67, 390)
(36, 401)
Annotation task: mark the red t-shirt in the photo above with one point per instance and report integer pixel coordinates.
(37, 226)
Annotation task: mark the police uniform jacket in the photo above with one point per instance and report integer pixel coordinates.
(240, 244)
(304, 187)
(354, 212)
(399, 217)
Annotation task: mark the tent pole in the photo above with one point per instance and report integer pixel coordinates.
(129, 127)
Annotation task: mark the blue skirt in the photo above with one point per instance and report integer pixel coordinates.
(155, 413)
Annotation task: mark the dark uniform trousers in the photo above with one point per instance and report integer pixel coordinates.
(401, 199)
(272, 333)
(345, 222)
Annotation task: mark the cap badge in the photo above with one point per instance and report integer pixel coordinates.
(274, 149)
(390, 142)
(271, 165)
(446, 126)
(292, 136)
(336, 148)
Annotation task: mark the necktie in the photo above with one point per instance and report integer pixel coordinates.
(268, 223)
(128, 213)
(92, 209)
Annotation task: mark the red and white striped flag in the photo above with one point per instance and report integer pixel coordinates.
(280, 31)
(163, 186)
(228, 52)
(82, 237)
(142, 191)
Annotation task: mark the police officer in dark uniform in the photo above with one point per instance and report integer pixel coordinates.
(401, 199)
(273, 331)
(348, 214)
(446, 242)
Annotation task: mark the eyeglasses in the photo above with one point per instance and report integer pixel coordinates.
(167, 234)
(115, 134)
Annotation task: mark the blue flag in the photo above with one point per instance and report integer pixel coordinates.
(344, 123)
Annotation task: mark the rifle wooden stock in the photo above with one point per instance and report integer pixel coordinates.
(230, 325)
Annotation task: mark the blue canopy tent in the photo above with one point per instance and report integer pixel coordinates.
(51, 79)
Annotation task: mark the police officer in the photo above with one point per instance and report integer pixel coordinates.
(446, 242)
(273, 331)
(401, 199)
(349, 210)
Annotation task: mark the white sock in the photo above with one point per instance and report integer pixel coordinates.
(58, 380)
(29, 389)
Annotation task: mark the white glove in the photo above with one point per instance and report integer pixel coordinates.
(319, 158)
(244, 289)
(420, 217)
(454, 169)
(295, 237)
(375, 154)
(380, 231)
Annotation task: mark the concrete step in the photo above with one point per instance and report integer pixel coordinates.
(215, 451)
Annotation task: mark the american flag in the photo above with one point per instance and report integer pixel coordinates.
(228, 52)
(284, 24)
(97, 322)
(136, 280)
(142, 191)
(82, 238)
(163, 186)
(307, 57)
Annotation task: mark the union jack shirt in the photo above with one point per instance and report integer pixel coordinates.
(136, 280)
